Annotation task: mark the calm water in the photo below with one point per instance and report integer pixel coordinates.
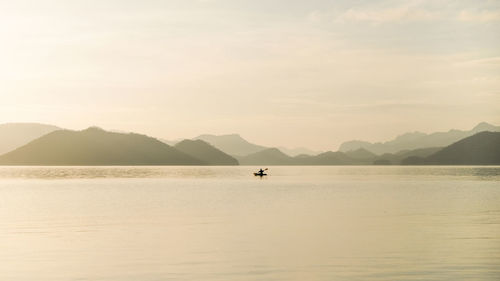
(199, 223)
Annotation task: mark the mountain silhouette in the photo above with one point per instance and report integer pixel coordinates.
(415, 140)
(205, 152)
(273, 156)
(14, 135)
(170, 142)
(361, 154)
(95, 146)
(232, 144)
(39, 144)
(397, 158)
(328, 158)
(270, 156)
(480, 149)
(298, 151)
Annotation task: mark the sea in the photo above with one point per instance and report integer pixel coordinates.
(224, 223)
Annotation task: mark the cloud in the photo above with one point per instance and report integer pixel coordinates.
(387, 15)
(419, 10)
(483, 61)
(479, 16)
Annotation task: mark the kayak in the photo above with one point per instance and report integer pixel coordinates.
(259, 174)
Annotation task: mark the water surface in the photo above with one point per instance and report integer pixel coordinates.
(222, 223)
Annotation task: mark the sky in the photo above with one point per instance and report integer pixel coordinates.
(278, 72)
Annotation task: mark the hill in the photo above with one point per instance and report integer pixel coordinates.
(95, 146)
(274, 156)
(480, 149)
(14, 135)
(205, 152)
(361, 154)
(328, 158)
(170, 142)
(397, 158)
(415, 140)
(231, 144)
(298, 151)
(270, 156)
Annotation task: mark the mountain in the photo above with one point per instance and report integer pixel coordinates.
(269, 156)
(396, 158)
(231, 144)
(298, 151)
(95, 146)
(328, 158)
(170, 142)
(411, 141)
(483, 126)
(480, 149)
(361, 153)
(14, 135)
(205, 152)
(356, 144)
(273, 156)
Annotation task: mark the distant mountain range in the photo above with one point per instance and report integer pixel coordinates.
(330, 158)
(14, 135)
(38, 144)
(480, 149)
(273, 156)
(269, 156)
(232, 144)
(415, 140)
(235, 145)
(95, 146)
(397, 158)
(298, 151)
(361, 154)
(205, 152)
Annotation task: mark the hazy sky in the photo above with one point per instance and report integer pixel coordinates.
(279, 72)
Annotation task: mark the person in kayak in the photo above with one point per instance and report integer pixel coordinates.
(261, 172)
